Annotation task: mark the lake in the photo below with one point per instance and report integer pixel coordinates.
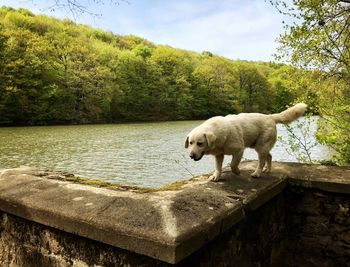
(142, 154)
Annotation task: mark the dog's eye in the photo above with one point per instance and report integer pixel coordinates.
(191, 143)
(199, 143)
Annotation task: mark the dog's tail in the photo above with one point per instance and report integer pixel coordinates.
(290, 114)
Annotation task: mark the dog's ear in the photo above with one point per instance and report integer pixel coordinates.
(210, 137)
(186, 142)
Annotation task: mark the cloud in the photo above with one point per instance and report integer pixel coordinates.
(234, 29)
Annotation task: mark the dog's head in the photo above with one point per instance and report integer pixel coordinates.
(199, 143)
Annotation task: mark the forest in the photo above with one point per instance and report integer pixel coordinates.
(57, 72)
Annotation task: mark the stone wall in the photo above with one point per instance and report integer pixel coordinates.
(296, 216)
(24, 243)
(256, 241)
(259, 240)
(300, 227)
(319, 228)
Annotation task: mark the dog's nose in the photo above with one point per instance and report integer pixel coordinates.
(192, 156)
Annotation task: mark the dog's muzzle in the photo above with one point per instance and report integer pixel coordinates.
(193, 156)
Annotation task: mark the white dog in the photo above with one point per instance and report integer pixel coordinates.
(230, 135)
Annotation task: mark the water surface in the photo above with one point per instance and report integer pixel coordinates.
(142, 154)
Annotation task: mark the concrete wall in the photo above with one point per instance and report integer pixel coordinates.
(297, 216)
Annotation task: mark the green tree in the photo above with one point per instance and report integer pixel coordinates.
(254, 88)
(174, 68)
(320, 40)
(81, 82)
(132, 73)
(283, 87)
(25, 78)
(216, 87)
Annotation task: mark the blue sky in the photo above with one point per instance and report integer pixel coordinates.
(235, 29)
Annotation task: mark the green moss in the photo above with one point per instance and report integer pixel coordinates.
(173, 186)
(328, 162)
(116, 186)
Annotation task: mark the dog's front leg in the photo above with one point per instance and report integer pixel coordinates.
(218, 163)
(236, 159)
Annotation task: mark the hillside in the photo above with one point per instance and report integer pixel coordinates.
(58, 72)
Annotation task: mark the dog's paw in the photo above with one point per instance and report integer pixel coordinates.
(255, 174)
(266, 170)
(236, 171)
(214, 177)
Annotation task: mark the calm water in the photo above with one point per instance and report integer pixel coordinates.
(143, 154)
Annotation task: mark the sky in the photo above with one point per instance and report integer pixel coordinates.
(235, 29)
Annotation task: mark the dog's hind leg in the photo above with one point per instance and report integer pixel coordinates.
(262, 159)
(218, 163)
(268, 163)
(236, 159)
(263, 148)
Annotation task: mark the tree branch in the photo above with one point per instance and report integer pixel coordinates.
(78, 7)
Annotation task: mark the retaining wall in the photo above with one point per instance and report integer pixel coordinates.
(296, 216)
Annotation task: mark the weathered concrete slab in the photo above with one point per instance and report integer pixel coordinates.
(165, 225)
(328, 178)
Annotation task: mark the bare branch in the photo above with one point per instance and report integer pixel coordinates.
(76, 8)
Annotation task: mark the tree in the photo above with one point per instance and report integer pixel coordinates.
(320, 40)
(174, 69)
(320, 37)
(216, 90)
(254, 88)
(25, 83)
(132, 75)
(3, 40)
(284, 93)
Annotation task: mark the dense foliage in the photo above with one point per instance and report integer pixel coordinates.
(55, 71)
(320, 40)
